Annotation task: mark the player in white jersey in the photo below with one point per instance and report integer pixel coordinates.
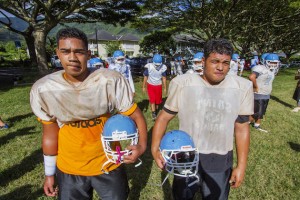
(197, 66)
(178, 65)
(262, 77)
(154, 79)
(213, 108)
(234, 64)
(242, 65)
(173, 67)
(73, 105)
(119, 65)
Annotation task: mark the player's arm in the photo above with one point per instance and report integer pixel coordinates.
(242, 141)
(137, 150)
(158, 131)
(146, 74)
(164, 81)
(252, 78)
(50, 147)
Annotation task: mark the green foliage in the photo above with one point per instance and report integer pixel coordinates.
(261, 25)
(112, 46)
(273, 166)
(158, 42)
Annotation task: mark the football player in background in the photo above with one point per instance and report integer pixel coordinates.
(154, 81)
(213, 109)
(262, 77)
(120, 65)
(73, 106)
(234, 64)
(197, 66)
(242, 65)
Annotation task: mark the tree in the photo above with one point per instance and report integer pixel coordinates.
(42, 16)
(249, 24)
(158, 42)
(112, 46)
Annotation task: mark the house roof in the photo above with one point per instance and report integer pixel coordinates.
(103, 35)
(106, 36)
(187, 39)
(129, 37)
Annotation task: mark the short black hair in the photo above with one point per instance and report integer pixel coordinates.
(71, 33)
(220, 46)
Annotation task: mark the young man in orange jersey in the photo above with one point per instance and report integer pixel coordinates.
(73, 105)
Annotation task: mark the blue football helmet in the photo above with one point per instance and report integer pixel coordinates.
(272, 61)
(116, 129)
(179, 152)
(119, 57)
(198, 58)
(157, 59)
(96, 63)
(262, 58)
(235, 57)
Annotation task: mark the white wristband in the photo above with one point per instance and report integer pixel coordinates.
(50, 165)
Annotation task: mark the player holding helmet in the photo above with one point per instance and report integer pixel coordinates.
(120, 65)
(262, 77)
(212, 109)
(73, 105)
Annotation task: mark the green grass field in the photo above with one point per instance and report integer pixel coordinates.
(274, 161)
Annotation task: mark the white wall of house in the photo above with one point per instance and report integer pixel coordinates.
(130, 48)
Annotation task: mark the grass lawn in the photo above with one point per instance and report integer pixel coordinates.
(274, 161)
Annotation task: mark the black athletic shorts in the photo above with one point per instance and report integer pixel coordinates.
(260, 108)
(112, 186)
(213, 185)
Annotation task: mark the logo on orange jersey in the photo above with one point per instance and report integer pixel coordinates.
(86, 123)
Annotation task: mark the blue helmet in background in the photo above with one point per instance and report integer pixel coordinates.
(235, 57)
(119, 57)
(157, 59)
(96, 62)
(118, 128)
(263, 56)
(272, 61)
(179, 152)
(198, 56)
(118, 54)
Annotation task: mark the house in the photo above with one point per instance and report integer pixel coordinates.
(187, 45)
(128, 43)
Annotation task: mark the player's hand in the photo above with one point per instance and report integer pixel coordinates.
(255, 89)
(165, 91)
(136, 152)
(237, 177)
(160, 162)
(144, 89)
(49, 188)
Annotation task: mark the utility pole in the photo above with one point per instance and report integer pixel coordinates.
(97, 41)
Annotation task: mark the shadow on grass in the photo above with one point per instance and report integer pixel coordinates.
(21, 132)
(27, 164)
(17, 118)
(139, 176)
(294, 146)
(143, 105)
(282, 102)
(22, 193)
